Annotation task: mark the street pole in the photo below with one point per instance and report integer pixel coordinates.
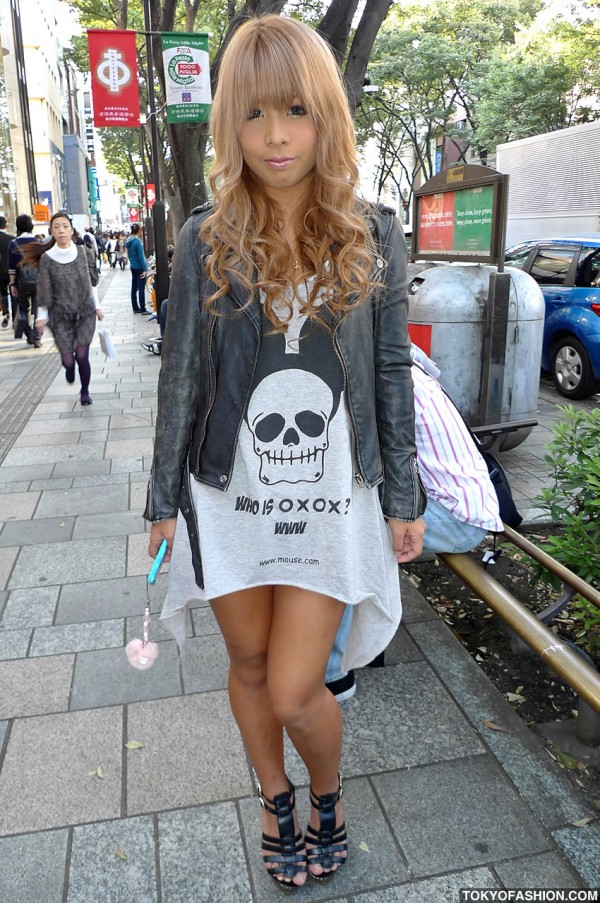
(161, 281)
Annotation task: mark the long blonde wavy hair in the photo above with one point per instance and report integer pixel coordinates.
(272, 61)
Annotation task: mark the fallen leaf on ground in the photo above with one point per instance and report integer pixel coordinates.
(582, 822)
(134, 744)
(362, 846)
(566, 760)
(494, 727)
(120, 855)
(96, 773)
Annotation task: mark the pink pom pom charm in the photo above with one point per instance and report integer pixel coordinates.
(142, 654)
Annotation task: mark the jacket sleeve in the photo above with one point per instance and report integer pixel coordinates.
(180, 369)
(403, 495)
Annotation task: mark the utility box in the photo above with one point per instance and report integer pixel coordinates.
(448, 306)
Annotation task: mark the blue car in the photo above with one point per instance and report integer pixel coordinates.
(567, 269)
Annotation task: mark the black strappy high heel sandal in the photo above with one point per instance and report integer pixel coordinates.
(329, 842)
(286, 852)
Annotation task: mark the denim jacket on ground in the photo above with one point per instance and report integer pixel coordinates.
(208, 363)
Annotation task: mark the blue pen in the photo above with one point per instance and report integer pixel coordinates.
(157, 562)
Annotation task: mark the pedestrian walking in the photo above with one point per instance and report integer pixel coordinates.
(138, 266)
(6, 307)
(23, 282)
(111, 251)
(70, 302)
(121, 250)
(285, 396)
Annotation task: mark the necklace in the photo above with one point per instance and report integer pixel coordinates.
(296, 265)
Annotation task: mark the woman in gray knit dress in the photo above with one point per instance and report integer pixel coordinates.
(65, 291)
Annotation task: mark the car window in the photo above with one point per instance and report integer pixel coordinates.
(551, 265)
(518, 258)
(588, 269)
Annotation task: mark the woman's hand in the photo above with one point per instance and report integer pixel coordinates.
(163, 529)
(99, 313)
(39, 326)
(407, 538)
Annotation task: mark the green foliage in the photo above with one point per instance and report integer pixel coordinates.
(574, 504)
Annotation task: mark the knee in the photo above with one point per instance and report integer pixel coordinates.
(292, 703)
(249, 668)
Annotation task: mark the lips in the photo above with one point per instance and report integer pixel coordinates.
(279, 162)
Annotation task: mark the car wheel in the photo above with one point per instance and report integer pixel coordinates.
(571, 369)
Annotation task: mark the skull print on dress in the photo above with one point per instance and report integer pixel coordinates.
(289, 415)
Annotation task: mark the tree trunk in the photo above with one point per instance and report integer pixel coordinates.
(372, 18)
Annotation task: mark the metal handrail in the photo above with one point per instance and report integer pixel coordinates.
(563, 573)
(576, 672)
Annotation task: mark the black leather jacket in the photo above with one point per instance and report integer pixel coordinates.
(208, 365)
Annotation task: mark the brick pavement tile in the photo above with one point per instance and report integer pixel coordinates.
(36, 531)
(3, 729)
(72, 562)
(32, 867)
(105, 677)
(187, 876)
(64, 483)
(55, 453)
(20, 486)
(81, 468)
(126, 465)
(98, 873)
(93, 436)
(7, 560)
(446, 888)
(14, 644)
(199, 734)
(97, 599)
(383, 864)
(127, 434)
(30, 607)
(101, 479)
(66, 638)
(18, 505)
(452, 808)
(204, 621)
(35, 687)
(83, 500)
(137, 496)
(582, 846)
(46, 781)
(45, 439)
(65, 425)
(122, 523)
(129, 448)
(204, 664)
(22, 472)
(129, 421)
(546, 871)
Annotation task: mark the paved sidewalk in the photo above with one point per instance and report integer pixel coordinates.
(436, 800)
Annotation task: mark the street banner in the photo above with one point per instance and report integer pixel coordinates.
(132, 195)
(134, 214)
(113, 67)
(187, 76)
(150, 195)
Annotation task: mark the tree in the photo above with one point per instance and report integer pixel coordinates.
(351, 33)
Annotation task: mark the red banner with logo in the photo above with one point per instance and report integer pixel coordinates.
(113, 67)
(150, 195)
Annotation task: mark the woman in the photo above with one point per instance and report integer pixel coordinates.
(67, 300)
(284, 394)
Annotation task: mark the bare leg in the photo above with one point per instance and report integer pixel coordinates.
(245, 621)
(308, 710)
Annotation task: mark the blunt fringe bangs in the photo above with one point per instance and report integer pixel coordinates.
(274, 61)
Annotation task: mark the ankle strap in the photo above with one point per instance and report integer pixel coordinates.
(327, 800)
(287, 798)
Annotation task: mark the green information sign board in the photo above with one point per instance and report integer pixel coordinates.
(187, 76)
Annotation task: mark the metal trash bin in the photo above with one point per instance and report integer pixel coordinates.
(447, 315)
